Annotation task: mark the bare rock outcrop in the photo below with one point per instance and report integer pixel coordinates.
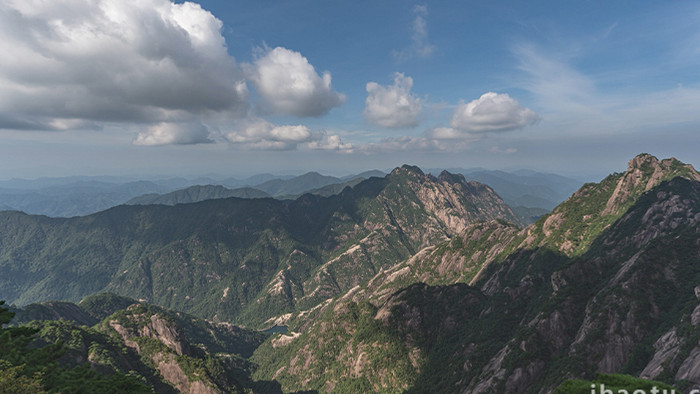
(644, 172)
(690, 369)
(167, 333)
(154, 326)
(173, 373)
(666, 350)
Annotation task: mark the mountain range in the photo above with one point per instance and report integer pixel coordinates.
(411, 282)
(530, 194)
(239, 259)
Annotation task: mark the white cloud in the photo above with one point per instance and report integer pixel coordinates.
(259, 134)
(291, 86)
(492, 112)
(142, 61)
(393, 106)
(174, 134)
(330, 142)
(420, 44)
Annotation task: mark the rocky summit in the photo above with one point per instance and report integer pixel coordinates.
(405, 283)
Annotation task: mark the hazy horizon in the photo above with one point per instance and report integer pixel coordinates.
(126, 176)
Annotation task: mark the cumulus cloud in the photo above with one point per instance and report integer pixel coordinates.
(143, 61)
(492, 112)
(420, 44)
(174, 134)
(291, 86)
(259, 134)
(330, 142)
(393, 106)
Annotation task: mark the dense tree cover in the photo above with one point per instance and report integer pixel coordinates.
(615, 257)
(601, 271)
(26, 368)
(239, 260)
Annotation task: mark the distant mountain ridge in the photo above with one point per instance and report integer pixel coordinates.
(290, 189)
(525, 188)
(196, 194)
(75, 199)
(242, 259)
(529, 193)
(79, 196)
(296, 185)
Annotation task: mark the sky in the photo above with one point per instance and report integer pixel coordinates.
(154, 87)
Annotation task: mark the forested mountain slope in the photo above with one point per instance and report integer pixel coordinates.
(195, 194)
(127, 347)
(243, 260)
(408, 283)
(607, 283)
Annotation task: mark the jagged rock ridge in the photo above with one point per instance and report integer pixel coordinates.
(607, 289)
(606, 283)
(240, 259)
(171, 352)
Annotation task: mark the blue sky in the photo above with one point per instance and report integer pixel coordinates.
(240, 87)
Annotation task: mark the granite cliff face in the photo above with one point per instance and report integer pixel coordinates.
(409, 282)
(410, 212)
(160, 342)
(613, 309)
(572, 226)
(240, 260)
(169, 351)
(606, 283)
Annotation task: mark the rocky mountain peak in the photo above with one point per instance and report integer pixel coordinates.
(450, 178)
(641, 160)
(646, 164)
(574, 224)
(406, 168)
(643, 173)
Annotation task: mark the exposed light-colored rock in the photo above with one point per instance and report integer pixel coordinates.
(169, 334)
(284, 339)
(695, 316)
(173, 373)
(690, 369)
(666, 350)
